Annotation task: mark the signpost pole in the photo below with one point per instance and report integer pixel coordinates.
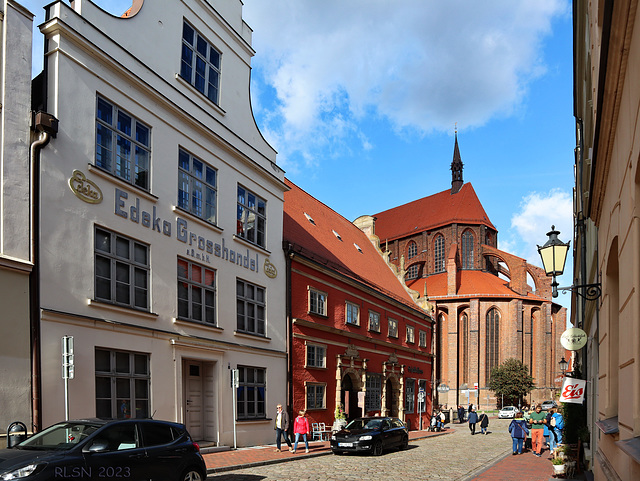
(68, 370)
(235, 383)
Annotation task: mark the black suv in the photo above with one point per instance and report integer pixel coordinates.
(86, 449)
(370, 434)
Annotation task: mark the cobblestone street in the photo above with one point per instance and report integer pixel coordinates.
(456, 456)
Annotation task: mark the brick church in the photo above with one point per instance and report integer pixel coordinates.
(489, 305)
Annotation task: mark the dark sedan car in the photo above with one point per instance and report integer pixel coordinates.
(372, 435)
(127, 449)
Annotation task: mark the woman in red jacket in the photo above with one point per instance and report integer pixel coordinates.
(301, 426)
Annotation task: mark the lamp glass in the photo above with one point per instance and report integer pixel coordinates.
(554, 257)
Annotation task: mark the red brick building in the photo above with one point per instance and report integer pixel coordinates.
(490, 305)
(357, 336)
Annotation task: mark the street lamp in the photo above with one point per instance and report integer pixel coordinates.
(563, 365)
(554, 256)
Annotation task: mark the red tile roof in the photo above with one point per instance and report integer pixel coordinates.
(320, 233)
(473, 284)
(432, 212)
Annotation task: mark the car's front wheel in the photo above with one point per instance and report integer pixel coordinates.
(377, 448)
(192, 475)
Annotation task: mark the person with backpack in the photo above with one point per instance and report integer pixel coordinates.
(556, 423)
(518, 429)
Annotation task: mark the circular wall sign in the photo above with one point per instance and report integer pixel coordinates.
(573, 339)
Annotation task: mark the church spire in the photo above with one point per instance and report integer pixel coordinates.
(456, 168)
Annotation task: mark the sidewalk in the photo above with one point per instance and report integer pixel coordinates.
(229, 460)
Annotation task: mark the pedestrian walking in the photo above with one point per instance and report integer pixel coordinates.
(460, 414)
(538, 421)
(282, 428)
(301, 427)
(518, 429)
(555, 421)
(473, 419)
(484, 422)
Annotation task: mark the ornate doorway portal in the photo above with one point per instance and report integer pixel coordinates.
(349, 395)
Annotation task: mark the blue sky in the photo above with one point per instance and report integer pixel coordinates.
(361, 99)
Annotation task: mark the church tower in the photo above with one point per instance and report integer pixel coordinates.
(456, 169)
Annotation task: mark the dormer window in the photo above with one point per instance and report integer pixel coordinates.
(200, 65)
(309, 218)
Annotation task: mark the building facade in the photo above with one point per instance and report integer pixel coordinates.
(358, 338)
(489, 305)
(160, 221)
(607, 231)
(16, 261)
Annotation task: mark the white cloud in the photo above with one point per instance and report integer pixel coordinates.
(421, 65)
(537, 213)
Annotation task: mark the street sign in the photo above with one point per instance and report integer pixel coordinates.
(68, 369)
(475, 386)
(443, 388)
(421, 396)
(573, 339)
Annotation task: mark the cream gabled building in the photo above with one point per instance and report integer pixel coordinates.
(607, 229)
(160, 226)
(16, 24)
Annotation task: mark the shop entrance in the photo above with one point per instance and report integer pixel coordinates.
(349, 396)
(199, 400)
(391, 397)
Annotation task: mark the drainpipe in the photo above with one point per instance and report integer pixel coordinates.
(46, 126)
(288, 253)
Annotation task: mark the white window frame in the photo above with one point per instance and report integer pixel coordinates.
(317, 301)
(212, 65)
(196, 293)
(310, 387)
(126, 155)
(257, 387)
(349, 309)
(393, 328)
(422, 338)
(197, 187)
(374, 321)
(373, 399)
(411, 334)
(255, 302)
(410, 395)
(316, 355)
(251, 217)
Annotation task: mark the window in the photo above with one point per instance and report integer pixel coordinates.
(393, 328)
(250, 301)
(422, 338)
(412, 272)
(374, 321)
(316, 396)
(353, 313)
(373, 396)
(412, 250)
(122, 384)
(411, 334)
(121, 270)
(123, 144)
(467, 250)
(439, 254)
(251, 392)
(317, 302)
(252, 217)
(196, 292)
(200, 64)
(464, 346)
(196, 187)
(493, 341)
(316, 356)
(422, 400)
(410, 395)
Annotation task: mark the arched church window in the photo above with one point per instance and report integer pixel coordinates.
(439, 253)
(412, 250)
(467, 250)
(493, 341)
(464, 346)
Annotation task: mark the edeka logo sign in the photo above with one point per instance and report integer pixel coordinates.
(198, 247)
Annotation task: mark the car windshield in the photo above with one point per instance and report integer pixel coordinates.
(62, 436)
(365, 424)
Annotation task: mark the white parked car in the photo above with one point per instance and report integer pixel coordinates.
(507, 412)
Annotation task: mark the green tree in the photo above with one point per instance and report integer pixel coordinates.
(512, 380)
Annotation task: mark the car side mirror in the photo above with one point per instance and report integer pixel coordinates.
(96, 447)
